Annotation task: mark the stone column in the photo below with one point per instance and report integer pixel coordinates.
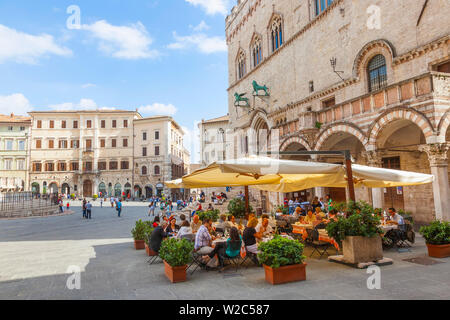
(373, 159)
(437, 155)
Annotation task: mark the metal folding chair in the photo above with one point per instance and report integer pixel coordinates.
(321, 247)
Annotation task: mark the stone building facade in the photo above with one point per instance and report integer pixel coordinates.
(102, 152)
(159, 156)
(14, 160)
(372, 77)
(213, 139)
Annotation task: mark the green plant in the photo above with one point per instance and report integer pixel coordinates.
(361, 221)
(176, 252)
(211, 214)
(139, 231)
(281, 252)
(237, 208)
(436, 233)
(319, 125)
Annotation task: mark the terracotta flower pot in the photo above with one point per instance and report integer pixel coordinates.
(439, 251)
(175, 274)
(139, 244)
(150, 251)
(286, 274)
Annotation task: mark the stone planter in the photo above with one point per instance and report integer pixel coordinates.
(362, 249)
(175, 274)
(139, 244)
(439, 251)
(150, 251)
(286, 274)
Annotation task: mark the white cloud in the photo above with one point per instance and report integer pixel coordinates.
(124, 42)
(84, 104)
(158, 109)
(202, 26)
(26, 48)
(212, 7)
(15, 103)
(201, 41)
(88, 85)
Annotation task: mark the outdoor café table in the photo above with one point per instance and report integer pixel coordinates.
(323, 236)
(301, 229)
(388, 227)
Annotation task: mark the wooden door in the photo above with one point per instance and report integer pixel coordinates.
(393, 197)
(87, 189)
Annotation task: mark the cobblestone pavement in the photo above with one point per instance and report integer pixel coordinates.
(35, 255)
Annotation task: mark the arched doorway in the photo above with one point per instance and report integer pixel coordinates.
(343, 141)
(65, 189)
(102, 190)
(35, 188)
(118, 190)
(159, 189)
(110, 189)
(127, 190)
(53, 188)
(398, 142)
(44, 187)
(148, 192)
(137, 191)
(87, 188)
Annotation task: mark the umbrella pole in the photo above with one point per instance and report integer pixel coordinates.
(351, 184)
(247, 211)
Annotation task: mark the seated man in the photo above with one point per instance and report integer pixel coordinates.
(222, 223)
(395, 218)
(196, 224)
(157, 236)
(203, 240)
(263, 227)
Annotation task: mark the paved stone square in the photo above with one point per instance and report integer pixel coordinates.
(36, 253)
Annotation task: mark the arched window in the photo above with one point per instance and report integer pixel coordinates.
(144, 170)
(377, 73)
(256, 49)
(221, 136)
(241, 65)
(276, 33)
(157, 170)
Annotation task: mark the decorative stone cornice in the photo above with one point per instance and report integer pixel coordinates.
(437, 153)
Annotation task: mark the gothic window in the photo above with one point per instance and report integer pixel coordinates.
(276, 33)
(377, 73)
(241, 65)
(256, 49)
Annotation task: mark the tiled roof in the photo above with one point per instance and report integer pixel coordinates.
(13, 118)
(220, 119)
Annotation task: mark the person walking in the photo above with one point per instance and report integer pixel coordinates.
(151, 211)
(119, 207)
(61, 205)
(101, 202)
(89, 210)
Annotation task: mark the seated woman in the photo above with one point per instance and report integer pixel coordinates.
(172, 228)
(333, 215)
(230, 249)
(319, 212)
(250, 236)
(185, 229)
(156, 222)
(310, 218)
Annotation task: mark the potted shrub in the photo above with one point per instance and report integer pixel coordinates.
(358, 234)
(211, 214)
(283, 260)
(176, 255)
(139, 232)
(437, 237)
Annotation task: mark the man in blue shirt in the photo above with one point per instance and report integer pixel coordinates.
(119, 207)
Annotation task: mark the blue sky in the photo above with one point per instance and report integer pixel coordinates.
(160, 56)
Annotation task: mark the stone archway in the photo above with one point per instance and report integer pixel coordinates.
(340, 138)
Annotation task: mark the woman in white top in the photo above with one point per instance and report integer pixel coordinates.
(185, 229)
